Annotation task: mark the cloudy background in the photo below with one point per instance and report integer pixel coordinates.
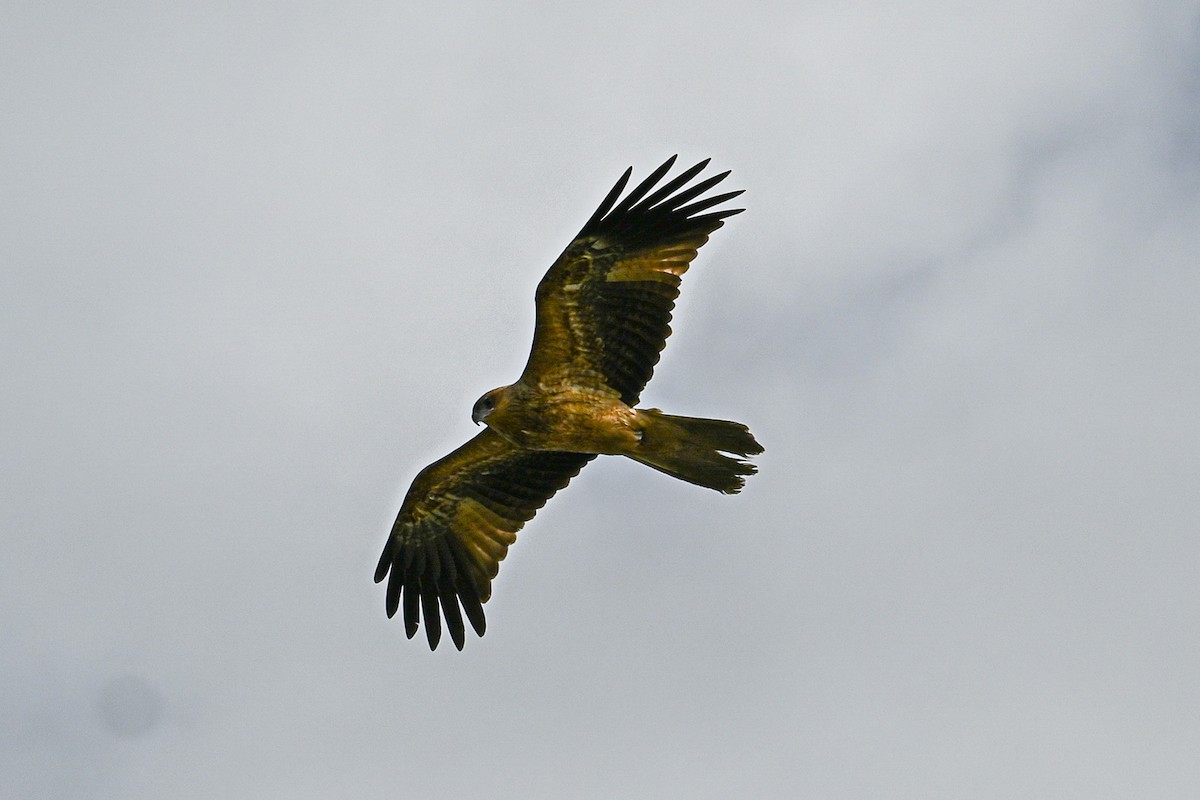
(257, 264)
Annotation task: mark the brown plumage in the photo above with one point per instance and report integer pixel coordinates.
(603, 317)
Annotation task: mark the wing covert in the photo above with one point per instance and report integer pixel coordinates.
(455, 526)
(604, 307)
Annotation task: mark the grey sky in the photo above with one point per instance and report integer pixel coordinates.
(256, 266)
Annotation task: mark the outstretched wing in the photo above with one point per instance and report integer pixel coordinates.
(455, 526)
(604, 307)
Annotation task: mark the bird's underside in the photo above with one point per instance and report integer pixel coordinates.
(603, 315)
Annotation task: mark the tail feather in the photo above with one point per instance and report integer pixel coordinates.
(693, 449)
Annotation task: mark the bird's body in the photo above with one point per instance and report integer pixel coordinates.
(561, 416)
(603, 313)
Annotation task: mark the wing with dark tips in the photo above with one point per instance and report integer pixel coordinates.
(455, 526)
(604, 307)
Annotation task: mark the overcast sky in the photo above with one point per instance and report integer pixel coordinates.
(256, 265)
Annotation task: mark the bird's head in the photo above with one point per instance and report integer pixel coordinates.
(487, 404)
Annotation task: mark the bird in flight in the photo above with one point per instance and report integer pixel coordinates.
(603, 314)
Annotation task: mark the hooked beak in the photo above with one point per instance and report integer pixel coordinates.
(476, 418)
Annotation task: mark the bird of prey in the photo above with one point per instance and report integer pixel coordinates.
(603, 314)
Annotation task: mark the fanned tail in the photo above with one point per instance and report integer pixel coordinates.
(694, 449)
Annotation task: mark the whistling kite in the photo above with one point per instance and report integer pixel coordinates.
(602, 318)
